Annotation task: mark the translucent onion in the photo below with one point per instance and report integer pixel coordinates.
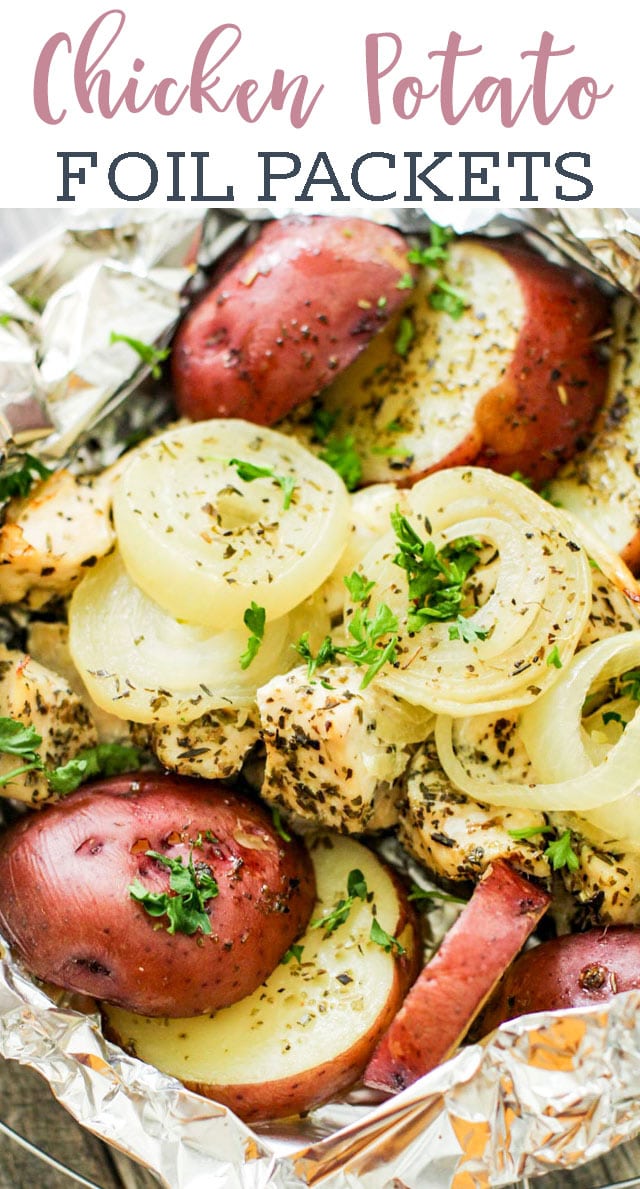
(553, 732)
(203, 542)
(139, 663)
(538, 598)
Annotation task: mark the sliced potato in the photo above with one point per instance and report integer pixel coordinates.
(141, 664)
(308, 1031)
(204, 542)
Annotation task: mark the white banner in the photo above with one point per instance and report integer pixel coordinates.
(319, 106)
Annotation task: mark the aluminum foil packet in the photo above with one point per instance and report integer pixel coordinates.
(545, 1092)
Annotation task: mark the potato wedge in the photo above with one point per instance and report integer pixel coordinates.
(298, 307)
(513, 383)
(307, 1033)
(601, 485)
(504, 909)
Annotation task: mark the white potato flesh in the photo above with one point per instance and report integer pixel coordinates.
(306, 1014)
(204, 542)
(140, 663)
(601, 485)
(408, 412)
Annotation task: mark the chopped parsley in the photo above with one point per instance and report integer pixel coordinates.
(248, 471)
(366, 630)
(358, 586)
(529, 832)
(325, 655)
(193, 886)
(443, 295)
(405, 282)
(613, 716)
(254, 620)
(356, 890)
(20, 474)
(323, 423)
(294, 951)
(150, 355)
(405, 335)
(561, 854)
(107, 759)
(418, 894)
(278, 826)
(386, 940)
(554, 658)
(340, 453)
(436, 578)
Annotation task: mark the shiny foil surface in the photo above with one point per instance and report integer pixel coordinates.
(544, 1092)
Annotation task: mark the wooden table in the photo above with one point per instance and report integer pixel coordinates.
(26, 1104)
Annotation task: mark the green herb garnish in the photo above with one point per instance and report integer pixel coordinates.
(387, 942)
(418, 894)
(323, 423)
(554, 658)
(405, 282)
(277, 824)
(254, 620)
(342, 456)
(560, 853)
(436, 578)
(325, 655)
(613, 716)
(248, 471)
(405, 336)
(444, 296)
(107, 759)
(529, 832)
(294, 951)
(150, 355)
(358, 586)
(20, 475)
(630, 685)
(366, 630)
(356, 890)
(193, 887)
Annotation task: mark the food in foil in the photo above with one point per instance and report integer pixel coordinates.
(398, 616)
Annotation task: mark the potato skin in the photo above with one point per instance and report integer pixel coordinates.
(541, 411)
(577, 970)
(66, 909)
(297, 308)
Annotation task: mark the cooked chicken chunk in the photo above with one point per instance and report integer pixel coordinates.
(334, 750)
(457, 838)
(35, 696)
(48, 643)
(606, 883)
(50, 538)
(213, 746)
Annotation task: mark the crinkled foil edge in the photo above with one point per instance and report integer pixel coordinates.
(545, 1092)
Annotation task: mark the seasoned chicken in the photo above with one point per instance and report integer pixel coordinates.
(334, 750)
(213, 746)
(37, 697)
(52, 537)
(606, 883)
(48, 643)
(457, 838)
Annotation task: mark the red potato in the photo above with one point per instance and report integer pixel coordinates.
(66, 909)
(454, 986)
(299, 306)
(307, 1033)
(514, 383)
(601, 485)
(578, 970)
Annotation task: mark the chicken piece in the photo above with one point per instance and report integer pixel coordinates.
(456, 837)
(606, 883)
(37, 697)
(213, 746)
(50, 538)
(48, 643)
(334, 750)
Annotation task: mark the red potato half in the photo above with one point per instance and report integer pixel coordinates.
(299, 306)
(578, 970)
(66, 910)
(308, 1032)
(503, 911)
(601, 485)
(514, 383)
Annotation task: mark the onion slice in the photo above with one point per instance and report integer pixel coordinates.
(553, 729)
(204, 536)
